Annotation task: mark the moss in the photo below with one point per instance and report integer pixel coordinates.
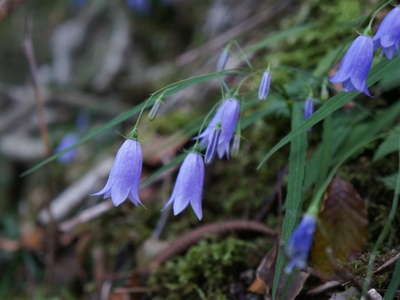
(208, 270)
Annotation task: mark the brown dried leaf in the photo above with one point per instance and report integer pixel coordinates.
(342, 229)
(265, 274)
(287, 290)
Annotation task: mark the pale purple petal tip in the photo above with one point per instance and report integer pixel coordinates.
(388, 35)
(124, 179)
(189, 185)
(355, 65)
(227, 115)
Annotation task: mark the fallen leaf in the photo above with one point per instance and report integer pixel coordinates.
(289, 287)
(341, 231)
(265, 274)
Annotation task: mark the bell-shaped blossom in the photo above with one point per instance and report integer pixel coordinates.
(188, 187)
(308, 108)
(124, 179)
(355, 65)
(263, 88)
(227, 115)
(67, 141)
(388, 35)
(223, 59)
(300, 243)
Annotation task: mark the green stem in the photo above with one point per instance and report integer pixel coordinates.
(368, 30)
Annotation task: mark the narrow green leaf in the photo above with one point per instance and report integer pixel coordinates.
(390, 181)
(382, 121)
(294, 197)
(394, 283)
(389, 145)
(167, 91)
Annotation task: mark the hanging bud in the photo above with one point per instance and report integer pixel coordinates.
(300, 243)
(308, 108)
(236, 144)
(223, 59)
(263, 88)
(155, 109)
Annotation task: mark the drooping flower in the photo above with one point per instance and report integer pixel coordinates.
(227, 115)
(300, 242)
(355, 65)
(67, 141)
(388, 35)
(308, 108)
(223, 59)
(124, 179)
(188, 187)
(263, 88)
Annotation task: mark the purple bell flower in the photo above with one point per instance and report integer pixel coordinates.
(265, 83)
(355, 65)
(124, 179)
(227, 115)
(223, 59)
(67, 141)
(300, 243)
(308, 108)
(388, 35)
(188, 187)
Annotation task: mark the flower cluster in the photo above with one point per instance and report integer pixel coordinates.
(219, 138)
(124, 179)
(218, 135)
(356, 63)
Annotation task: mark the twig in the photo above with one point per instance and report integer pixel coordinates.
(324, 287)
(186, 240)
(75, 193)
(8, 6)
(87, 215)
(118, 45)
(39, 96)
(387, 264)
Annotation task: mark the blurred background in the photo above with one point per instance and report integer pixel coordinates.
(70, 66)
